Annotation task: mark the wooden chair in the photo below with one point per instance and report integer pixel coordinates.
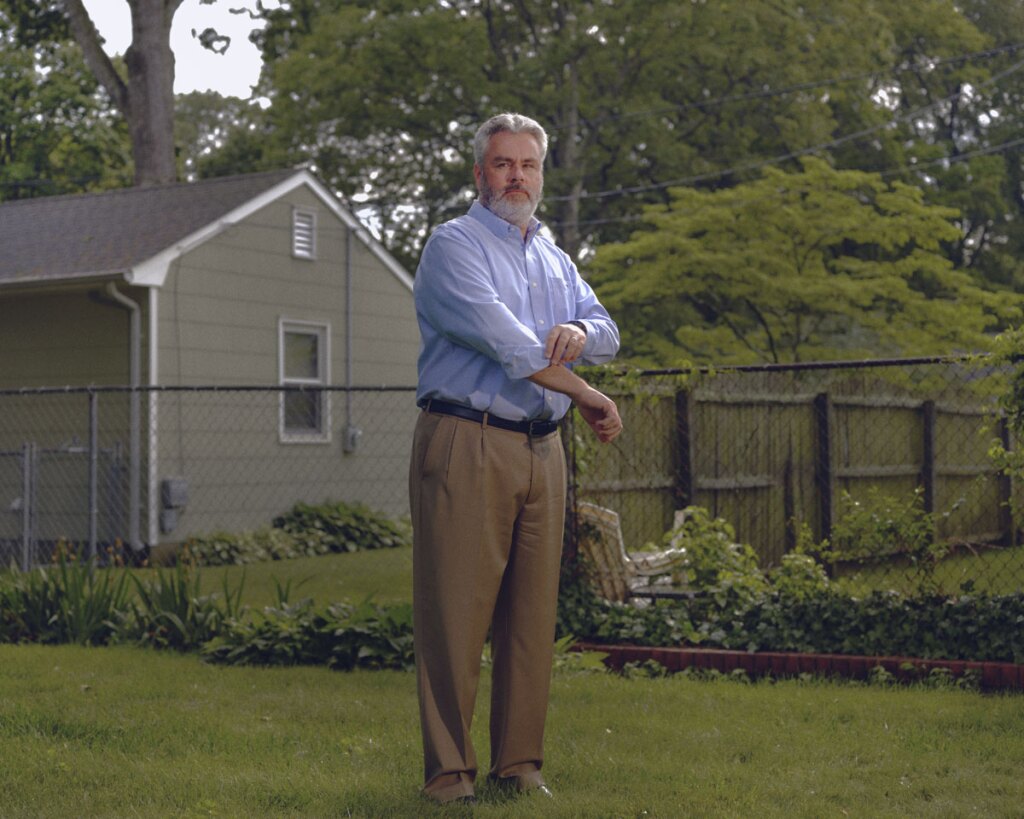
(618, 574)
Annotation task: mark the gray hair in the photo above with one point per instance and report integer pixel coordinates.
(513, 124)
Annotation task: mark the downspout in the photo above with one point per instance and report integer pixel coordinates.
(351, 437)
(135, 425)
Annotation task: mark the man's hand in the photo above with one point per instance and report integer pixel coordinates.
(597, 409)
(600, 413)
(564, 344)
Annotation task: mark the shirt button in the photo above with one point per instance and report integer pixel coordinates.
(534, 283)
(542, 322)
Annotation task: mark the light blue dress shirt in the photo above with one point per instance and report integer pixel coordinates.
(485, 302)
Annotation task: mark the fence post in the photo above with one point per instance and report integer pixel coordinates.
(94, 455)
(1007, 523)
(684, 441)
(825, 473)
(928, 455)
(27, 502)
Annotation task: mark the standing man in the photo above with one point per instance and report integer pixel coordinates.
(503, 315)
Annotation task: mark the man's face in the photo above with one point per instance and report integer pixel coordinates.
(511, 180)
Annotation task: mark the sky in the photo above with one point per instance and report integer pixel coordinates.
(232, 74)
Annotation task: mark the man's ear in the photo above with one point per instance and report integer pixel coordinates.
(477, 173)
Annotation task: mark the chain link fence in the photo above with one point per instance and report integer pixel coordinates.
(116, 470)
(881, 467)
(887, 462)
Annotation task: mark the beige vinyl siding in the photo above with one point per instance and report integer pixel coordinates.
(222, 301)
(56, 338)
(59, 338)
(219, 317)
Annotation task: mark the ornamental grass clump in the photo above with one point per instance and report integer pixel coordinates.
(72, 601)
(169, 610)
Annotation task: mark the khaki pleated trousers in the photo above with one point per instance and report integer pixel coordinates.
(488, 508)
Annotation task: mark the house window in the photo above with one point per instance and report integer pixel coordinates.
(304, 234)
(304, 363)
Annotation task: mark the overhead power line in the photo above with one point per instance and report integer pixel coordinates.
(811, 85)
(775, 160)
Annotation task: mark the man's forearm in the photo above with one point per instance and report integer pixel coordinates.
(597, 409)
(561, 379)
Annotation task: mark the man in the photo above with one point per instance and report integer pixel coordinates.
(503, 315)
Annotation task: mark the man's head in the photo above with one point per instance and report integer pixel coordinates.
(509, 152)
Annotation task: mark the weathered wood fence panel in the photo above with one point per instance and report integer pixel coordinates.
(771, 451)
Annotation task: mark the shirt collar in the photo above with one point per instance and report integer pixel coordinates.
(499, 227)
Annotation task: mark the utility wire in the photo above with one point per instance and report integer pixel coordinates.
(791, 89)
(888, 172)
(775, 160)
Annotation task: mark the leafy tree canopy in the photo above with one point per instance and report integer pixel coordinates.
(58, 133)
(815, 264)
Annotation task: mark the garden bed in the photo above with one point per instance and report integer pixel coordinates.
(990, 675)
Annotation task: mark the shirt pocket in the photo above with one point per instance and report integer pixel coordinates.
(563, 306)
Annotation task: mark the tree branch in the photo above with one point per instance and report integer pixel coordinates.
(99, 63)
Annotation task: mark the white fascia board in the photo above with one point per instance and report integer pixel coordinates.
(153, 271)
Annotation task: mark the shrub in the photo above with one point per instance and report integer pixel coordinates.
(881, 526)
(343, 637)
(70, 602)
(341, 527)
(266, 543)
(799, 576)
(170, 612)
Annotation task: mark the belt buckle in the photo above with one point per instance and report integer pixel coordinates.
(534, 426)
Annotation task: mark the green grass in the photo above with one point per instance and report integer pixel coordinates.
(993, 570)
(123, 732)
(384, 574)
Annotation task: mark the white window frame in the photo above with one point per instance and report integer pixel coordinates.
(304, 224)
(322, 331)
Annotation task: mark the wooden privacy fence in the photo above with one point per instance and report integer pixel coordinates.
(772, 448)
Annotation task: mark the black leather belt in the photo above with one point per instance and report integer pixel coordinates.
(535, 429)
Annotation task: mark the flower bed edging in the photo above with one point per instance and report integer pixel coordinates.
(993, 676)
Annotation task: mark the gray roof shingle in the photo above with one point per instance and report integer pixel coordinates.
(65, 237)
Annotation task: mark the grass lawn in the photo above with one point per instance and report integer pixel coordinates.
(384, 574)
(993, 570)
(124, 732)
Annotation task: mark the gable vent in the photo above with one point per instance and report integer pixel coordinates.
(304, 234)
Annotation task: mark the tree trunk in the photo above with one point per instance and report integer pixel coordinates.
(147, 100)
(150, 111)
(569, 232)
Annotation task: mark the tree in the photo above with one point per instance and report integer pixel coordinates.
(815, 264)
(58, 134)
(383, 97)
(142, 90)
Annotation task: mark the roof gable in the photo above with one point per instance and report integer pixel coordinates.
(137, 232)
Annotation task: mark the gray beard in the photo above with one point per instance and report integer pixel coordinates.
(518, 213)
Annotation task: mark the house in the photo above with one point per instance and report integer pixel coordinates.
(131, 319)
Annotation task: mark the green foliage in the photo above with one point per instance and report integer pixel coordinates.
(341, 527)
(794, 266)
(1008, 356)
(304, 531)
(634, 93)
(169, 610)
(880, 526)
(715, 564)
(57, 133)
(342, 637)
(70, 602)
(265, 543)
(798, 577)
